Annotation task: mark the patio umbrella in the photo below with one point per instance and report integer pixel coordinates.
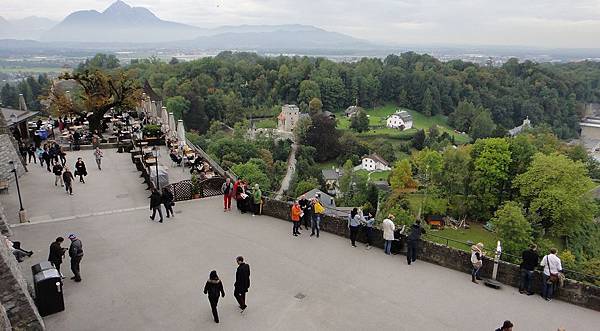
(172, 125)
(180, 131)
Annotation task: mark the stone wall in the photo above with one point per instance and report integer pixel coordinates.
(14, 295)
(9, 153)
(4, 228)
(573, 291)
(4, 321)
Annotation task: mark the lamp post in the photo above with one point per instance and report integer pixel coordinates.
(22, 213)
(156, 158)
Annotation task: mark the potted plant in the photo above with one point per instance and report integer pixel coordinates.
(195, 186)
(151, 130)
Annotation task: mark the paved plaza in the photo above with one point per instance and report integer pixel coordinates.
(142, 275)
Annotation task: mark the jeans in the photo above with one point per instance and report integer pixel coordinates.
(154, 210)
(240, 296)
(353, 234)
(296, 227)
(411, 253)
(369, 233)
(316, 223)
(387, 247)
(75, 266)
(475, 272)
(547, 289)
(213, 307)
(526, 277)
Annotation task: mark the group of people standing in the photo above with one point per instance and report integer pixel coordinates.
(214, 287)
(157, 199)
(308, 212)
(247, 199)
(57, 253)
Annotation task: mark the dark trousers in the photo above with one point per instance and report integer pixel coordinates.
(295, 227)
(526, 277)
(154, 210)
(57, 266)
(32, 156)
(213, 306)
(411, 253)
(69, 187)
(47, 164)
(256, 208)
(353, 234)
(75, 261)
(306, 219)
(169, 209)
(240, 296)
(63, 160)
(369, 234)
(81, 178)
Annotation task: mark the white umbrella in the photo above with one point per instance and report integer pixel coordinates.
(172, 125)
(180, 131)
(164, 116)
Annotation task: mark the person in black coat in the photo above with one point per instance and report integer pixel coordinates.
(412, 240)
(155, 201)
(531, 260)
(57, 253)
(167, 200)
(242, 282)
(214, 288)
(80, 169)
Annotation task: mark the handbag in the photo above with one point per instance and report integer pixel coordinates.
(553, 279)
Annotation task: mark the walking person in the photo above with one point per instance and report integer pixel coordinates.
(552, 268)
(23, 152)
(477, 261)
(57, 253)
(242, 282)
(227, 190)
(214, 288)
(168, 201)
(388, 228)
(76, 254)
(257, 200)
(39, 152)
(155, 201)
(296, 215)
(68, 178)
(62, 155)
(306, 212)
(317, 213)
(412, 240)
(354, 220)
(46, 157)
(31, 153)
(80, 170)
(98, 155)
(57, 169)
(530, 261)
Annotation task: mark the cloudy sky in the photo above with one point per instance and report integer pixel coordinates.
(547, 23)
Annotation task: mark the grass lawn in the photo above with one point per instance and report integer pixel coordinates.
(378, 116)
(476, 233)
(375, 176)
(266, 124)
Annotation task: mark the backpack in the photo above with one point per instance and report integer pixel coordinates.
(319, 208)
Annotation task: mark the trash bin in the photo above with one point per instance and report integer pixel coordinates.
(48, 292)
(45, 265)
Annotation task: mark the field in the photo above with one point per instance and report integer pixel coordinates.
(476, 233)
(375, 176)
(378, 116)
(266, 124)
(32, 70)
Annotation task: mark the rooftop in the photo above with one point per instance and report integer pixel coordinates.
(14, 116)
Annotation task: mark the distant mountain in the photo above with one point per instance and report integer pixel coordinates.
(119, 23)
(26, 28)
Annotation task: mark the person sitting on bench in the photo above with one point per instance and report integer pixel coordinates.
(176, 158)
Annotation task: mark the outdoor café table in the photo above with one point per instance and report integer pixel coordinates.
(150, 161)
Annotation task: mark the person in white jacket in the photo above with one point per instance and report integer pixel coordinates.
(388, 228)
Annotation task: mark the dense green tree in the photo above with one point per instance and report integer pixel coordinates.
(418, 140)
(178, 106)
(308, 90)
(513, 230)
(483, 126)
(315, 106)
(401, 176)
(253, 174)
(359, 122)
(324, 137)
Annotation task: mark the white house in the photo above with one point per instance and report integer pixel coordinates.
(400, 120)
(518, 129)
(351, 111)
(374, 162)
(287, 119)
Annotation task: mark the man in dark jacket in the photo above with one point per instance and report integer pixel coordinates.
(155, 201)
(306, 211)
(167, 200)
(68, 180)
(57, 169)
(412, 240)
(242, 282)
(530, 261)
(56, 253)
(76, 254)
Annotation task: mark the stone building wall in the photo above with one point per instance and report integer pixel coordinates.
(14, 295)
(4, 321)
(4, 228)
(574, 292)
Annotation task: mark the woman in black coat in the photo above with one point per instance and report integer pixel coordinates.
(167, 200)
(213, 288)
(80, 169)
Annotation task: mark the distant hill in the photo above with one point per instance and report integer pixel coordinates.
(26, 28)
(119, 23)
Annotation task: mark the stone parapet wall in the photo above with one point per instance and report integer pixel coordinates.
(9, 153)
(4, 228)
(14, 295)
(4, 321)
(574, 292)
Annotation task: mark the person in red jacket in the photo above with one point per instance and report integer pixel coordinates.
(296, 214)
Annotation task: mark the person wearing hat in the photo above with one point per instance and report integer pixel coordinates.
(506, 326)
(257, 199)
(76, 254)
(477, 261)
(388, 228)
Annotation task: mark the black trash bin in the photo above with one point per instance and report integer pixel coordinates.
(48, 292)
(45, 265)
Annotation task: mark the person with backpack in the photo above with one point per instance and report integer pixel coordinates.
(296, 215)
(552, 269)
(412, 240)
(228, 192)
(214, 288)
(317, 213)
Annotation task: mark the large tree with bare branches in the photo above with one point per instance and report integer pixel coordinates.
(100, 91)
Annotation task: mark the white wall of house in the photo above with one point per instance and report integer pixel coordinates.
(371, 165)
(396, 122)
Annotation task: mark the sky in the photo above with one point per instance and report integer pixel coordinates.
(538, 23)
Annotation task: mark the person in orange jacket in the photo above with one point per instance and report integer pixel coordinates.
(296, 214)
